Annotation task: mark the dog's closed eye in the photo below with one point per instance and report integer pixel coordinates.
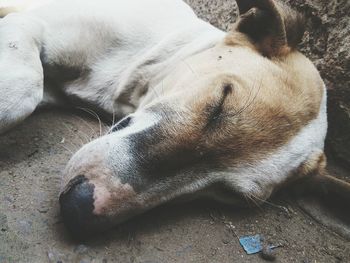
(216, 109)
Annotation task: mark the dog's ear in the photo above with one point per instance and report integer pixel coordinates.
(273, 27)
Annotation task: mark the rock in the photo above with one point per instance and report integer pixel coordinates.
(3, 223)
(25, 227)
(326, 42)
(55, 256)
(43, 210)
(184, 250)
(227, 237)
(219, 13)
(267, 254)
(81, 249)
(51, 256)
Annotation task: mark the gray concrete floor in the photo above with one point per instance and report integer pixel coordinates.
(32, 157)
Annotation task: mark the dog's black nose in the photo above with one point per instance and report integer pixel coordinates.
(77, 205)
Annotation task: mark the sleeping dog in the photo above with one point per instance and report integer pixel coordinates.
(203, 112)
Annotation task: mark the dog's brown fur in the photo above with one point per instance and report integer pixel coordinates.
(269, 102)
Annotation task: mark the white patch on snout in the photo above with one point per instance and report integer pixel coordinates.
(261, 178)
(139, 122)
(101, 197)
(111, 198)
(120, 155)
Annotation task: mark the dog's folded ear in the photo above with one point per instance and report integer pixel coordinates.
(273, 27)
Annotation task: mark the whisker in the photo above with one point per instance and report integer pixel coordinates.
(113, 118)
(109, 127)
(246, 199)
(86, 137)
(248, 102)
(87, 124)
(66, 148)
(252, 198)
(271, 204)
(93, 113)
(74, 146)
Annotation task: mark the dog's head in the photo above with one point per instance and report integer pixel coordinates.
(231, 122)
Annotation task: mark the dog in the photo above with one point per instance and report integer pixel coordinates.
(204, 113)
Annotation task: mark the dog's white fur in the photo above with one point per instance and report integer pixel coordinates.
(130, 47)
(133, 32)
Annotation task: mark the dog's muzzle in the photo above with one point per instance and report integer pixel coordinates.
(100, 180)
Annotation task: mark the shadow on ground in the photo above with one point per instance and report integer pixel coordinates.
(31, 160)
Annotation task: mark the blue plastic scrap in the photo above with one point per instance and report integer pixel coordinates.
(254, 244)
(251, 244)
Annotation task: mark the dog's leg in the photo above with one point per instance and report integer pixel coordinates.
(21, 72)
(324, 197)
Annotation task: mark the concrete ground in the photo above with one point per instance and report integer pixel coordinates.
(32, 157)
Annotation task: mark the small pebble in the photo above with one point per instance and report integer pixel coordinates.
(43, 210)
(81, 249)
(267, 254)
(3, 223)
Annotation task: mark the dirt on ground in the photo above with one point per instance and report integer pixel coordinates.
(33, 155)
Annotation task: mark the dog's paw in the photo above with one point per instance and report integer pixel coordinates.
(21, 90)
